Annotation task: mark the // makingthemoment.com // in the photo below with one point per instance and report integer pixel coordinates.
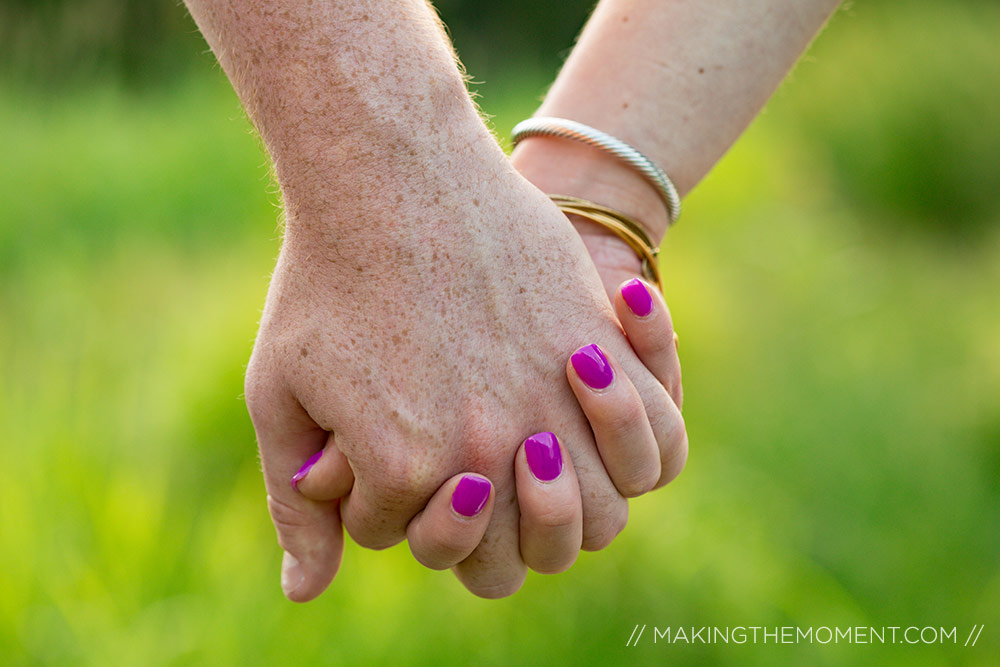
(752, 634)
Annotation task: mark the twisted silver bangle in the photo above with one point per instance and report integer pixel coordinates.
(570, 129)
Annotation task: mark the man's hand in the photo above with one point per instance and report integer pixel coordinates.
(426, 295)
(433, 350)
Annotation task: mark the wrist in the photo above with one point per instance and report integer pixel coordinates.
(373, 143)
(351, 99)
(566, 167)
(403, 203)
(387, 165)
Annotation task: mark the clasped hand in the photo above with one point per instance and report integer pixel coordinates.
(465, 383)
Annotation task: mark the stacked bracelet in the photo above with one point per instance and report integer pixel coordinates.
(570, 129)
(626, 228)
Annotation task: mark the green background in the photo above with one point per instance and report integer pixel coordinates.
(836, 284)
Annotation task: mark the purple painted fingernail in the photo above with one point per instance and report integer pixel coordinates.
(304, 470)
(637, 297)
(470, 495)
(544, 456)
(592, 367)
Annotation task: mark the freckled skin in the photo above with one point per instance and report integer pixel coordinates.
(435, 292)
(416, 259)
(460, 326)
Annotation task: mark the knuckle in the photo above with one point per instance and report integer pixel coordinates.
(258, 393)
(660, 343)
(637, 480)
(478, 423)
(400, 478)
(670, 431)
(674, 460)
(479, 437)
(435, 556)
(664, 416)
(373, 532)
(550, 516)
(496, 590)
(620, 420)
(253, 392)
(394, 491)
(553, 563)
(599, 533)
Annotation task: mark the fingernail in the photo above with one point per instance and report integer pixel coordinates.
(592, 367)
(544, 456)
(637, 297)
(304, 470)
(470, 495)
(291, 573)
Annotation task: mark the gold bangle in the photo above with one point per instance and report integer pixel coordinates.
(626, 228)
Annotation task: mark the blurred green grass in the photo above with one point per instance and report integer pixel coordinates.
(834, 282)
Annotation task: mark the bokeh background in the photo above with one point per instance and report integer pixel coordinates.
(836, 282)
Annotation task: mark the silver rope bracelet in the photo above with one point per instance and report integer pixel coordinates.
(570, 129)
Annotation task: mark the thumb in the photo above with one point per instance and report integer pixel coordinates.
(309, 531)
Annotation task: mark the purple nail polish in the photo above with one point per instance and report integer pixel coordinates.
(544, 456)
(304, 470)
(592, 367)
(637, 297)
(470, 495)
